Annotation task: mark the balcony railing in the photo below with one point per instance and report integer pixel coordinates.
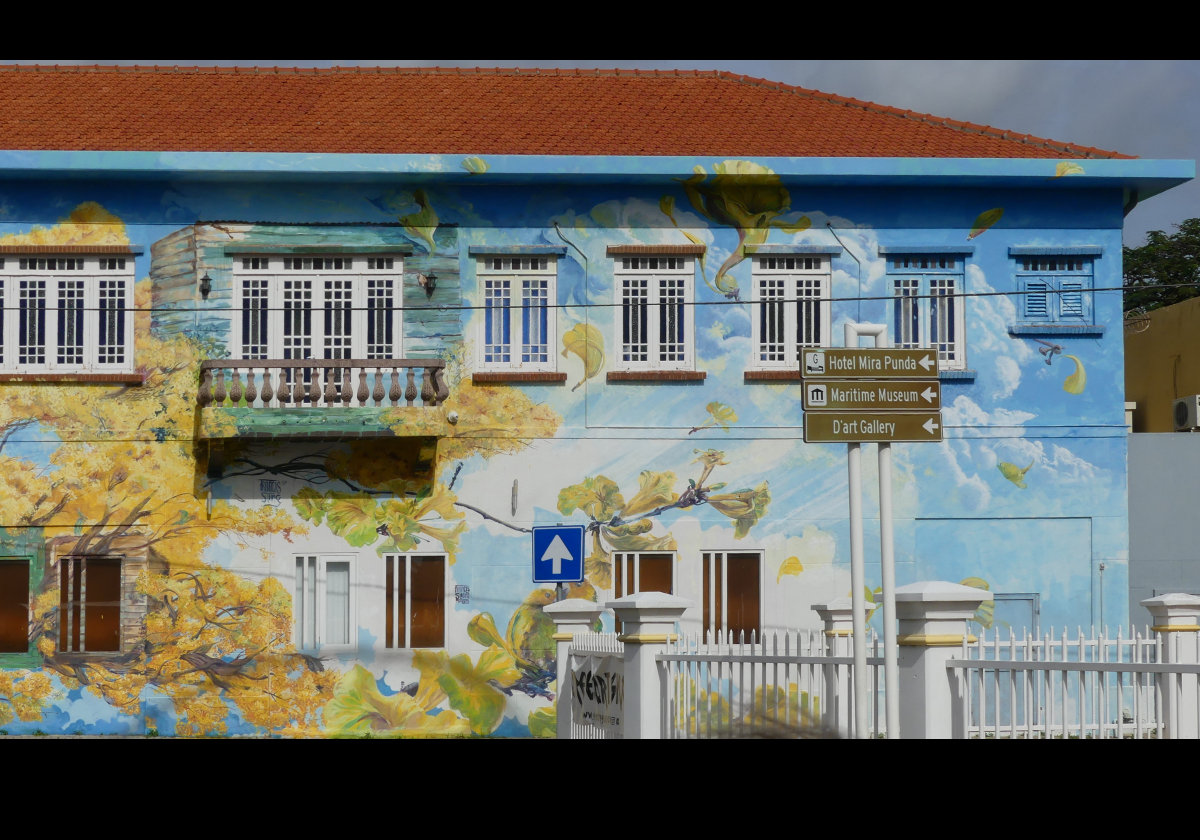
(314, 383)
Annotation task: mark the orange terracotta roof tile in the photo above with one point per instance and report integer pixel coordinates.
(474, 111)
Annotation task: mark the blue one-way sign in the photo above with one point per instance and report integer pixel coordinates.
(558, 554)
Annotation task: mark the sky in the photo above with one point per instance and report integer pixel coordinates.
(1147, 108)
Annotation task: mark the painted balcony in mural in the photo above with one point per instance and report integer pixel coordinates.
(281, 397)
(314, 330)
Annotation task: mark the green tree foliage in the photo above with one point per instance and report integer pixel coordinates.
(1165, 270)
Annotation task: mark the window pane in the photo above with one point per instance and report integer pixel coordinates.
(428, 601)
(102, 604)
(337, 603)
(14, 606)
(742, 574)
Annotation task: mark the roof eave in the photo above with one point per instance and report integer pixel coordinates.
(1141, 176)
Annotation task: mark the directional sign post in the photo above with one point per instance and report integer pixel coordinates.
(864, 427)
(869, 363)
(842, 394)
(558, 554)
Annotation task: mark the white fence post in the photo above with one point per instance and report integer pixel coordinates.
(574, 615)
(933, 623)
(1175, 620)
(837, 701)
(647, 624)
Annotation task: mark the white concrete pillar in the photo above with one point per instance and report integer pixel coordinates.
(836, 707)
(574, 615)
(647, 623)
(1177, 621)
(933, 623)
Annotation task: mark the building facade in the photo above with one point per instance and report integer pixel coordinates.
(278, 419)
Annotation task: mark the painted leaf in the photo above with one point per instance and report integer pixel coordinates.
(1014, 473)
(710, 457)
(352, 517)
(723, 415)
(654, 491)
(1067, 167)
(586, 342)
(800, 225)
(423, 223)
(599, 497)
(790, 566)
(667, 205)
(310, 505)
(597, 566)
(531, 631)
(358, 706)
(471, 687)
(475, 165)
(745, 507)
(1075, 383)
(543, 723)
(632, 529)
(634, 542)
(985, 220)
(985, 616)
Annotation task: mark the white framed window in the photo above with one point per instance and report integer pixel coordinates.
(732, 591)
(791, 306)
(66, 314)
(927, 305)
(415, 600)
(642, 571)
(317, 307)
(654, 321)
(323, 601)
(1055, 289)
(519, 327)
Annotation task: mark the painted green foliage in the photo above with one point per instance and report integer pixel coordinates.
(620, 525)
(746, 196)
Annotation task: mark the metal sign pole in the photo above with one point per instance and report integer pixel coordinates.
(857, 585)
(887, 562)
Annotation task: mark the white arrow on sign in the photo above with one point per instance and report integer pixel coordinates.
(556, 552)
(927, 362)
(929, 394)
(928, 426)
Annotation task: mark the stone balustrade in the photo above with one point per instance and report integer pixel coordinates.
(314, 383)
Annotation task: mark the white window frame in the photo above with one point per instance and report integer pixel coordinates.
(311, 621)
(265, 280)
(89, 284)
(791, 308)
(659, 275)
(622, 556)
(403, 611)
(524, 286)
(1056, 288)
(927, 304)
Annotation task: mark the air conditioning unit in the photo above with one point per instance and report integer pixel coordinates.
(1187, 413)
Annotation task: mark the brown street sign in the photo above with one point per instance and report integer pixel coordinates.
(871, 427)
(868, 363)
(837, 394)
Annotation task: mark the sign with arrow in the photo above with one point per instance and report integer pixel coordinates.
(557, 553)
(868, 363)
(837, 394)
(869, 427)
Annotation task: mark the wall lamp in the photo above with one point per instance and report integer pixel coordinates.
(205, 286)
(428, 282)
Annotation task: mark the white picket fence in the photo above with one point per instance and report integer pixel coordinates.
(800, 683)
(788, 683)
(1058, 686)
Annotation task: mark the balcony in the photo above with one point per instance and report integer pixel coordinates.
(327, 398)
